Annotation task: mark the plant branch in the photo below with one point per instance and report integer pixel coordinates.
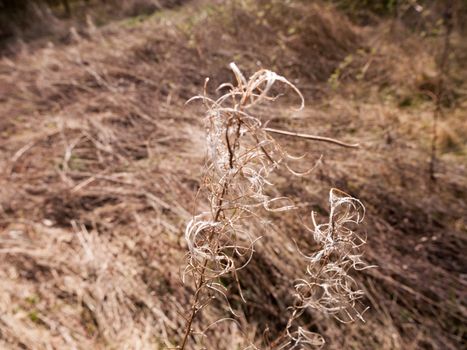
(313, 137)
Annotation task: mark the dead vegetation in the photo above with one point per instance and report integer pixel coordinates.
(241, 158)
(100, 159)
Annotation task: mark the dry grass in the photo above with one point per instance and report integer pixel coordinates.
(100, 159)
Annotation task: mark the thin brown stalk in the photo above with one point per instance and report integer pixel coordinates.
(443, 67)
(312, 137)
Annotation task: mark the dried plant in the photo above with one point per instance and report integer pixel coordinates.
(241, 157)
(443, 66)
(328, 286)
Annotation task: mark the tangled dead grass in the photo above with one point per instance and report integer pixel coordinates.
(99, 162)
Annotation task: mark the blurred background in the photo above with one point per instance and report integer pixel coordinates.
(100, 161)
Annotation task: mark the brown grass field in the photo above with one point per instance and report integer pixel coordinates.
(101, 159)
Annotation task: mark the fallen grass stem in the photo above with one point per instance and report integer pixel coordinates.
(313, 137)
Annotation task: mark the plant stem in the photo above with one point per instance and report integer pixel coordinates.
(440, 87)
(201, 282)
(312, 137)
(194, 308)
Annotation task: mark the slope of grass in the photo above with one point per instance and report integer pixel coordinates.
(100, 161)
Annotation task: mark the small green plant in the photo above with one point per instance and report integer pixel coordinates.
(334, 79)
